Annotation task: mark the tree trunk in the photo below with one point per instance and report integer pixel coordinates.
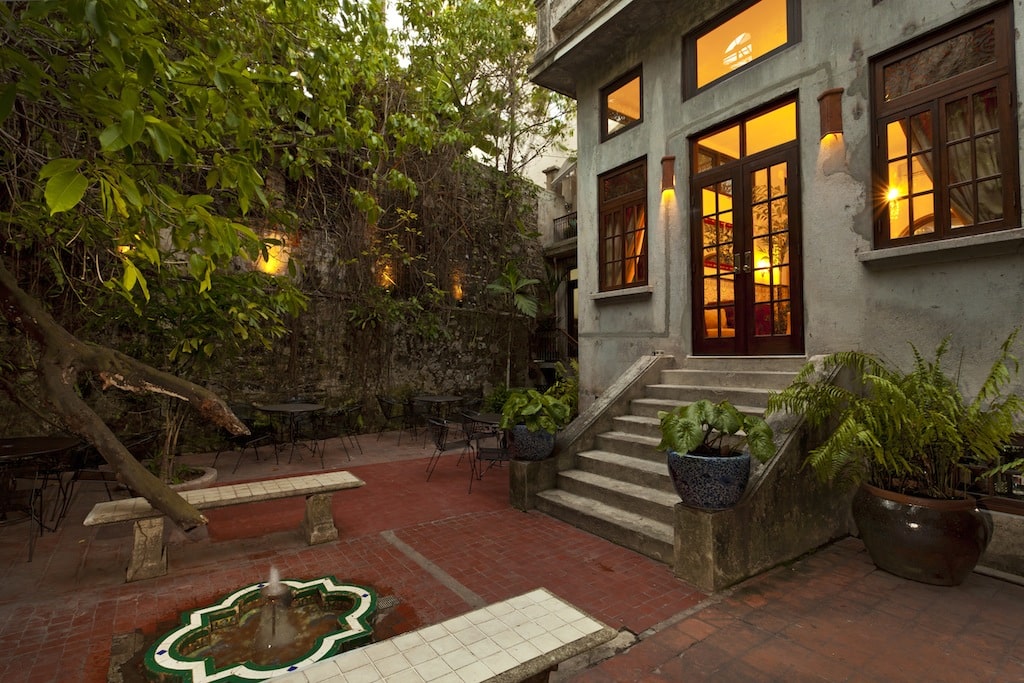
(63, 356)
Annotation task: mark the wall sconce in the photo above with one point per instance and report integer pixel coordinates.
(830, 106)
(668, 173)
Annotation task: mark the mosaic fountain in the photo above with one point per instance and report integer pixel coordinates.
(264, 630)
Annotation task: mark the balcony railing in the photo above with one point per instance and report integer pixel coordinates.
(565, 226)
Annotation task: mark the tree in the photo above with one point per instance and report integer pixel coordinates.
(135, 140)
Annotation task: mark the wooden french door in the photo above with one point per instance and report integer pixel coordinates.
(747, 293)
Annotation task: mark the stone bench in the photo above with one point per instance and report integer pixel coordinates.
(149, 555)
(519, 639)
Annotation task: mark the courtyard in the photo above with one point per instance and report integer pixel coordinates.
(437, 552)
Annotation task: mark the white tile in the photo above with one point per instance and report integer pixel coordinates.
(407, 676)
(433, 669)
(392, 664)
(419, 653)
(364, 674)
(352, 660)
(457, 659)
(529, 631)
(483, 648)
(524, 652)
(445, 645)
(567, 633)
(470, 635)
(433, 632)
(383, 649)
(456, 624)
(474, 672)
(500, 661)
(408, 640)
(491, 627)
(546, 642)
(506, 639)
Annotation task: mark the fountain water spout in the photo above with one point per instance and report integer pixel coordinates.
(275, 629)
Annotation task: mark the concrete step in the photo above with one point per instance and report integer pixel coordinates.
(649, 407)
(644, 426)
(647, 472)
(630, 445)
(655, 504)
(684, 393)
(759, 379)
(744, 363)
(638, 533)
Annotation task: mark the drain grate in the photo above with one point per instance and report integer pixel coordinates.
(387, 602)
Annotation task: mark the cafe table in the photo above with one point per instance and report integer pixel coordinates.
(441, 402)
(293, 414)
(30, 459)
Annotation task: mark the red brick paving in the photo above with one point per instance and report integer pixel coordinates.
(829, 617)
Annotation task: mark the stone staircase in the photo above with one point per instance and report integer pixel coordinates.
(620, 489)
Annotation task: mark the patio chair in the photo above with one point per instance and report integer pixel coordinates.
(394, 413)
(351, 422)
(490, 447)
(259, 435)
(444, 440)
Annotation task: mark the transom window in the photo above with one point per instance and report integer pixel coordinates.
(945, 144)
(736, 40)
(622, 250)
(622, 104)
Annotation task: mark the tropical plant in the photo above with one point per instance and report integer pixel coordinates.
(535, 410)
(717, 429)
(911, 432)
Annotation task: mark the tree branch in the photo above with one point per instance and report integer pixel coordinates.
(64, 356)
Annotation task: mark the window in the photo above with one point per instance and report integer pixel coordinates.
(945, 134)
(621, 104)
(623, 233)
(737, 40)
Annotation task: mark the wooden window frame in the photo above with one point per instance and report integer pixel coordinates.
(607, 206)
(793, 36)
(931, 98)
(637, 73)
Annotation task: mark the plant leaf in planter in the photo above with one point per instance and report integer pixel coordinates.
(703, 427)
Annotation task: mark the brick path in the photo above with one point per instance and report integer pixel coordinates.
(441, 552)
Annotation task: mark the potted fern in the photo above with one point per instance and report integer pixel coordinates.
(709, 447)
(907, 441)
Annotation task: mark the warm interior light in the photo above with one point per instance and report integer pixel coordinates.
(457, 285)
(385, 274)
(276, 262)
(892, 196)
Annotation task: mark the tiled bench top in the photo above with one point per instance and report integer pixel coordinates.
(129, 509)
(507, 641)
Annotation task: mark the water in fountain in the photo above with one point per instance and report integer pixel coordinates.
(276, 629)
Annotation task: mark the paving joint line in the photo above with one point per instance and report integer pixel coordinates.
(446, 579)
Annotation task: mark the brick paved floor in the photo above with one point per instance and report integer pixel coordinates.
(829, 617)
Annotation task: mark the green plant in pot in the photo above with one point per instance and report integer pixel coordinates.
(709, 448)
(532, 419)
(908, 440)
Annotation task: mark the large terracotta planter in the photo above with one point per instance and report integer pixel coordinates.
(709, 482)
(932, 541)
(526, 445)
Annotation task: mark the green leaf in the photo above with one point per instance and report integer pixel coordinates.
(132, 126)
(65, 190)
(56, 166)
(112, 139)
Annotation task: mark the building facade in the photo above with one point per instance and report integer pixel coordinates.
(791, 177)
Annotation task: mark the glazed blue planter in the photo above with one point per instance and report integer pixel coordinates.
(709, 482)
(527, 445)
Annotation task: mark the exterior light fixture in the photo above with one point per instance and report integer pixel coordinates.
(830, 106)
(668, 173)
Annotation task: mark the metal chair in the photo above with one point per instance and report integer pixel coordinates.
(441, 431)
(489, 447)
(259, 434)
(394, 412)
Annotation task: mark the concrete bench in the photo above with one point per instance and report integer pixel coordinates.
(522, 638)
(149, 555)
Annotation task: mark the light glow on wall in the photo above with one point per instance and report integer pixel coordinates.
(276, 262)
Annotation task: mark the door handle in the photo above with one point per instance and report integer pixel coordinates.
(747, 257)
